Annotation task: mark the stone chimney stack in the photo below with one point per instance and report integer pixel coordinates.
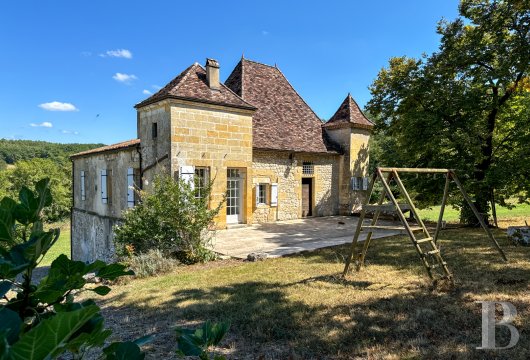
(212, 74)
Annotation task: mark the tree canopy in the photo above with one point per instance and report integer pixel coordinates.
(466, 106)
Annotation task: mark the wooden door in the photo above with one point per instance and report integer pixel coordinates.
(307, 197)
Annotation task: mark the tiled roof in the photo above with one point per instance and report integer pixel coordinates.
(349, 113)
(283, 120)
(118, 146)
(191, 85)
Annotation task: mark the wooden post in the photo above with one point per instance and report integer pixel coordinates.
(442, 208)
(478, 215)
(374, 221)
(359, 226)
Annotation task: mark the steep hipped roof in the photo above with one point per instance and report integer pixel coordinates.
(118, 146)
(283, 120)
(349, 113)
(191, 85)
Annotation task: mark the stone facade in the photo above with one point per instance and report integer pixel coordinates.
(197, 125)
(354, 142)
(285, 169)
(92, 218)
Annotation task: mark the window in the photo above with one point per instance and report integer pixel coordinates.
(359, 183)
(106, 186)
(83, 188)
(154, 130)
(261, 194)
(202, 181)
(133, 178)
(187, 174)
(308, 168)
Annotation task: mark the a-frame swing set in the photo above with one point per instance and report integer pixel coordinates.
(424, 243)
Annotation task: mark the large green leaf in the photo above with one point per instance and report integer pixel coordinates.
(5, 286)
(123, 351)
(113, 271)
(7, 222)
(31, 205)
(50, 336)
(10, 324)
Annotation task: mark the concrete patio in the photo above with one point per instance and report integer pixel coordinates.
(293, 236)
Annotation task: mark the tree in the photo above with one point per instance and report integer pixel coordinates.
(465, 106)
(29, 172)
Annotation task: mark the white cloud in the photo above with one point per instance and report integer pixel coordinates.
(70, 132)
(156, 87)
(124, 78)
(45, 124)
(118, 53)
(264, 32)
(147, 92)
(58, 106)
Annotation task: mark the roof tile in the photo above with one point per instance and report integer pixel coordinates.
(191, 85)
(283, 120)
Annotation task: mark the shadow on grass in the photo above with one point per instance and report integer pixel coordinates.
(274, 318)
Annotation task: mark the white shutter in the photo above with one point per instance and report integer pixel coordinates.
(83, 193)
(366, 180)
(274, 194)
(130, 187)
(187, 174)
(104, 195)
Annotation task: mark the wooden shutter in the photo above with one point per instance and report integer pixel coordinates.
(366, 180)
(274, 194)
(130, 187)
(109, 186)
(104, 194)
(83, 188)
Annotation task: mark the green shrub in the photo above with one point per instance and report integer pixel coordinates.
(151, 263)
(42, 320)
(170, 218)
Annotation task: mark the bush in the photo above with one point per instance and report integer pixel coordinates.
(151, 263)
(170, 218)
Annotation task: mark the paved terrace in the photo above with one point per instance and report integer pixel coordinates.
(293, 236)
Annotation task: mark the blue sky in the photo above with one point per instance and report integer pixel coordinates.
(72, 71)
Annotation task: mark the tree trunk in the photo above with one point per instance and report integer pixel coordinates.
(481, 189)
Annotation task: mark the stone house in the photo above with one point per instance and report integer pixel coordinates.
(254, 136)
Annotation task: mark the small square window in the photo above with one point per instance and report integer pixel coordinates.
(308, 168)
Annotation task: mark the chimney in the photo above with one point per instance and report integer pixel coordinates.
(212, 74)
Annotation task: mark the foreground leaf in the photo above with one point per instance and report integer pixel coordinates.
(47, 339)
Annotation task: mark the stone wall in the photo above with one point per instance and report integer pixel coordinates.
(286, 170)
(156, 152)
(93, 220)
(218, 138)
(92, 237)
(118, 162)
(354, 142)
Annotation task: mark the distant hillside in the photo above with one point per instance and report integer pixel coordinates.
(12, 151)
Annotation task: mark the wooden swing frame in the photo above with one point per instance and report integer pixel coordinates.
(393, 174)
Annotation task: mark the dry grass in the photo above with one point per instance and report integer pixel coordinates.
(298, 307)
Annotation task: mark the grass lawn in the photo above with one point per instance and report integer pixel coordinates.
(515, 216)
(62, 246)
(297, 307)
